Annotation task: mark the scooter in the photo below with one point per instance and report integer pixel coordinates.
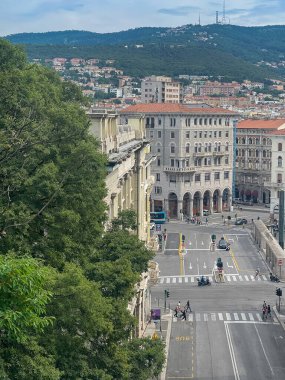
(274, 278)
(203, 281)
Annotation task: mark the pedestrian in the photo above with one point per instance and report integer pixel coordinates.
(183, 315)
(179, 305)
(258, 218)
(264, 304)
(206, 221)
(224, 222)
(188, 307)
(175, 311)
(269, 311)
(264, 312)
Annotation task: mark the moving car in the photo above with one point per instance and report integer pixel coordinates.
(240, 221)
(222, 243)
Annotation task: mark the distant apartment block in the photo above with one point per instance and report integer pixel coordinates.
(217, 88)
(161, 89)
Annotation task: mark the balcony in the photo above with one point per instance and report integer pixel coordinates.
(220, 153)
(149, 125)
(275, 185)
(202, 154)
(171, 169)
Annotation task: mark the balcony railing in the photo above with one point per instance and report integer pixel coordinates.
(187, 169)
(279, 185)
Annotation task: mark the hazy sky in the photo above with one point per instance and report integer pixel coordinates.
(102, 16)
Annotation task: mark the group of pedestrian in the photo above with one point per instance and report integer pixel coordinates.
(182, 311)
(266, 311)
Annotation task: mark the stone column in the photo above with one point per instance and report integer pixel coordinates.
(191, 208)
(211, 205)
(180, 210)
(220, 203)
(201, 206)
(230, 201)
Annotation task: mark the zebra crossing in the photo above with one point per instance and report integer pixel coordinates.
(227, 317)
(227, 278)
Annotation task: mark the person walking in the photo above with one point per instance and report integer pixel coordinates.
(206, 221)
(183, 318)
(188, 307)
(268, 311)
(179, 305)
(176, 311)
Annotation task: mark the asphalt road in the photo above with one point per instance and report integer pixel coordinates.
(224, 337)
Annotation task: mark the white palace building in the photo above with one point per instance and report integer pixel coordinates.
(194, 148)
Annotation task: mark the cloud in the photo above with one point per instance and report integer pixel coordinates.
(178, 11)
(52, 7)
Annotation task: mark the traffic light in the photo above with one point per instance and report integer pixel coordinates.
(279, 292)
(183, 238)
(167, 293)
(213, 237)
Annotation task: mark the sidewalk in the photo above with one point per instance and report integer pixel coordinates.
(280, 315)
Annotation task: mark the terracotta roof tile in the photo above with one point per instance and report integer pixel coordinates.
(277, 133)
(261, 124)
(151, 108)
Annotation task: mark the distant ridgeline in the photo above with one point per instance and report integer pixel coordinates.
(231, 51)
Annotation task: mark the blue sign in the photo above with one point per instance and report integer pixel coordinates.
(155, 314)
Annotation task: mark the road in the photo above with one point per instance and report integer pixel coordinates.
(224, 337)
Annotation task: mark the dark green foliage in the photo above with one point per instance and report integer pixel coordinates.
(126, 220)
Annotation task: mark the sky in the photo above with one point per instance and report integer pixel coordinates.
(102, 16)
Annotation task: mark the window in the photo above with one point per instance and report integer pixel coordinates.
(172, 121)
(205, 134)
(220, 133)
(200, 134)
(195, 134)
(187, 148)
(158, 148)
(187, 178)
(172, 162)
(279, 178)
(226, 160)
(197, 177)
(159, 134)
(157, 177)
(195, 121)
(172, 178)
(227, 147)
(200, 121)
(250, 140)
(215, 134)
(279, 147)
(172, 148)
(210, 134)
(205, 121)
(172, 135)
(151, 134)
(220, 121)
(159, 121)
(158, 190)
(226, 175)
(210, 147)
(210, 121)
(279, 162)
(187, 135)
(207, 176)
(217, 175)
(158, 162)
(227, 134)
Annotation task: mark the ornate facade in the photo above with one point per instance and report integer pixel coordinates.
(194, 149)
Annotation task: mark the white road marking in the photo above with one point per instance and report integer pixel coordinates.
(190, 243)
(266, 357)
(232, 353)
(186, 279)
(259, 317)
(180, 280)
(234, 278)
(192, 279)
(202, 243)
(252, 278)
(264, 277)
(243, 317)
(198, 317)
(190, 318)
(228, 316)
(250, 317)
(204, 266)
(161, 281)
(213, 317)
(168, 280)
(174, 280)
(228, 278)
(275, 319)
(246, 278)
(190, 265)
(229, 266)
(206, 317)
(241, 278)
(221, 317)
(236, 317)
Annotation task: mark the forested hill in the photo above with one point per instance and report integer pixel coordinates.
(229, 50)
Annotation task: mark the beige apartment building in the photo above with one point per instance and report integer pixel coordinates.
(194, 149)
(129, 181)
(161, 89)
(277, 178)
(217, 88)
(254, 158)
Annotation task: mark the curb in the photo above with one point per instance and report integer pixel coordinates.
(280, 317)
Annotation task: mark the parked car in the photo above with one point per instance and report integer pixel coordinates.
(222, 243)
(240, 221)
(205, 212)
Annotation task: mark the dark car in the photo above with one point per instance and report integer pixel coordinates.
(222, 244)
(240, 221)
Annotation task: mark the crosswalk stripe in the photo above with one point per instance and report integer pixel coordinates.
(186, 279)
(258, 316)
(213, 317)
(168, 280)
(190, 318)
(198, 317)
(241, 278)
(236, 317)
(174, 280)
(246, 278)
(252, 278)
(275, 319)
(221, 317)
(228, 278)
(206, 317)
(192, 279)
(264, 277)
(259, 278)
(250, 317)
(234, 278)
(228, 316)
(161, 281)
(243, 317)
(180, 280)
